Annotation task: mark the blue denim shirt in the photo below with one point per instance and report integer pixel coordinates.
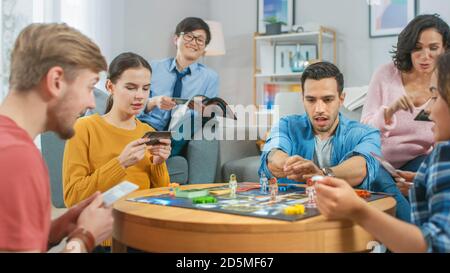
(201, 81)
(294, 135)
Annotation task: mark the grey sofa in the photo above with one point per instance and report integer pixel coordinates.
(197, 165)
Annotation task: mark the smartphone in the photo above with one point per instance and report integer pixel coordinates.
(389, 168)
(115, 193)
(422, 116)
(155, 136)
(180, 101)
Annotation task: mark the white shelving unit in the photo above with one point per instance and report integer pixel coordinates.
(319, 38)
(283, 75)
(307, 37)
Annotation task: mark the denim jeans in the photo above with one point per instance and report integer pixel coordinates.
(414, 164)
(385, 183)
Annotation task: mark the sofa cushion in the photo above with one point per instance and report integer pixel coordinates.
(202, 157)
(178, 169)
(245, 169)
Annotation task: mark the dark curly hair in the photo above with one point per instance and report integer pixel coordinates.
(408, 38)
(443, 67)
(323, 70)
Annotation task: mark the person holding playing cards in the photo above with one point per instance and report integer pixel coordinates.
(399, 91)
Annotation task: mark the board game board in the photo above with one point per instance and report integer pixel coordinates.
(247, 203)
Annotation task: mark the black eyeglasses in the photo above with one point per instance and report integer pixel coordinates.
(189, 37)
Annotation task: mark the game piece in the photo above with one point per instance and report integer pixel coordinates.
(204, 200)
(172, 188)
(311, 192)
(294, 210)
(233, 186)
(317, 178)
(273, 186)
(363, 193)
(191, 193)
(263, 183)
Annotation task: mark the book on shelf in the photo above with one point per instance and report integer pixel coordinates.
(272, 88)
(270, 91)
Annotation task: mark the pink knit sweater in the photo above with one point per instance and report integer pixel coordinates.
(405, 138)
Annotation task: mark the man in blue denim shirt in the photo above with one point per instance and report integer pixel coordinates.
(180, 77)
(324, 142)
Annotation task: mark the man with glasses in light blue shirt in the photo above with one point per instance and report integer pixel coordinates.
(180, 77)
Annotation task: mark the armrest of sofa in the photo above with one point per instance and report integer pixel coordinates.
(52, 151)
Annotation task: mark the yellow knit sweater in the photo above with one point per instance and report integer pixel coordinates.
(91, 162)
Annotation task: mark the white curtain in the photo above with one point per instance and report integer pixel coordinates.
(92, 18)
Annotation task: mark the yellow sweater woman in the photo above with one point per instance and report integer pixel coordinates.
(91, 160)
(109, 149)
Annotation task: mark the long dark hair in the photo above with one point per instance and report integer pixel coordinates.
(408, 38)
(443, 66)
(119, 65)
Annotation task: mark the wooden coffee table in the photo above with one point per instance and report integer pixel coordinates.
(155, 228)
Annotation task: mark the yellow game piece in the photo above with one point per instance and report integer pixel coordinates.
(294, 210)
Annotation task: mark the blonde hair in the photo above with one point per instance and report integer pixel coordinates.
(39, 47)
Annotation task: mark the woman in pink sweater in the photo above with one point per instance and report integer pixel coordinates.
(398, 91)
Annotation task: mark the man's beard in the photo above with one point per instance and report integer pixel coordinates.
(58, 119)
(327, 128)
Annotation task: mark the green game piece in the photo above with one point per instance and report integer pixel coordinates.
(193, 193)
(204, 200)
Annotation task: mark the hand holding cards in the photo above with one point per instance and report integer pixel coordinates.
(117, 192)
(155, 137)
(422, 116)
(179, 101)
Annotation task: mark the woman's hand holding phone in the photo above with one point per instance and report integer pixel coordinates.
(161, 151)
(133, 152)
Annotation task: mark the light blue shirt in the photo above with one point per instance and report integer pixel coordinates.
(201, 81)
(294, 135)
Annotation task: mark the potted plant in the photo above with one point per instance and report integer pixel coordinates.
(273, 26)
